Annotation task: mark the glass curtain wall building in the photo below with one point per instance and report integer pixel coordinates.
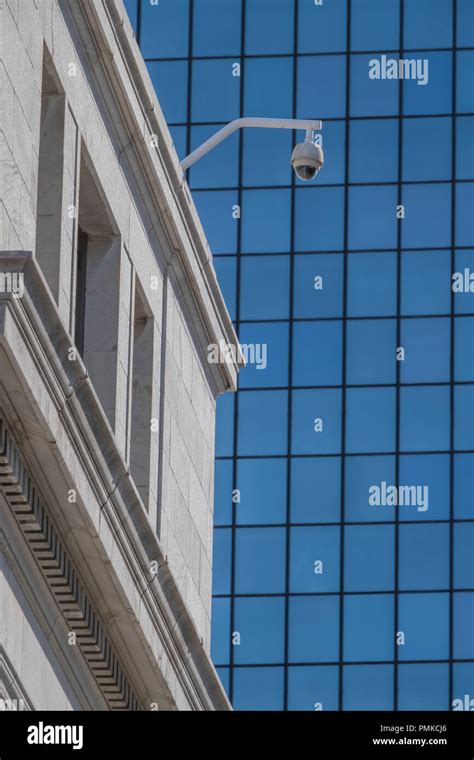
(327, 594)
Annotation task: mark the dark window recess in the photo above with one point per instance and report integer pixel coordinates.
(81, 279)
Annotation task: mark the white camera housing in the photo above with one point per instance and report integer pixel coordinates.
(307, 160)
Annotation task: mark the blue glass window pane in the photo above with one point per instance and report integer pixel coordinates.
(434, 97)
(262, 486)
(464, 486)
(463, 686)
(370, 421)
(423, 687)
(315, 559)
(216, 27)
(368, 687)
(427, 23)
(164, 29)
(319, 219)
(426, 282)
(224, 676)
(381, 231)
(221, 561)
(464, 626)
(265, 157)
(313, 687)
(464, 348)
(258, 689)
(424, 418)
(375, 25)
(269, 26)
(464, 88)
(321, 87)
(226, 270)
(178, 135)
(170, 80)
(361, 474)
(464, 300)
(368, 627)
(223, 492)
(464, 215)
(371, 97)
(220, 639)
(422, 140)
(317, 353)
(427, 350)
(369, 563)
(432, 471)
(215, 211)
(264, 287)
(373, 155)
(215, 76)
(314, 629)
(131, 8)
(266, 221)
(260, 622)
(262, 422)
(423, 559)
(464, 417)
(333, 141)
(309, 406)
(268, 86)
(371, 351)
(315, 489)
(259, 560)
(318, 285)
(464, 555)
(322, 28)
(465, 147)
(465, 23)
(219, 168)
(424, 619)
(225, 425)
(265, 346)
(427, 216)
(372, 281)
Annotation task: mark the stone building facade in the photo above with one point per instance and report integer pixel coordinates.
(108, 303)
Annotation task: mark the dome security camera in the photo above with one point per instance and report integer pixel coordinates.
(307, 160)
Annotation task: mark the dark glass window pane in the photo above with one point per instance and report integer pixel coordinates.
(371, 97)
(369, 557)
(268, 86)
(464, 88)
(259, 560)
(423, 561)
(319, 219)
(216, 213)
(424, 619)
(262, 486)
(314, 629)
(164, 29)
(269, 26)
(381, 230)
(361, 474)
(219, 168)
(370, 419)
(260, 622)
(220, 641)
(463, 555)
(373, 150)
(368, 627)
(464, 349)
(221, 561)
(266, 157)
(264, 287)
(427, 23)
(371, 351)
(317, 353)
(372, 279)
(465, 147)
(432, 471)
(216, 27)
(368, 687)
(318, 286)
(263, 422)
(266, 221)
(375, 25)
(427, 216)
(170, 80)
(464, 626)
(423, 687)
(313, 687)
(464, 215)
(465, 23)
(424, 418)
(265, 346)
(426, 282)
(315, 559)
(322, 28)
(258, 689)
(427, 350)
(464, 486)
(216, 76)
(315, 489)
(424, 139)
(434, 97)
(464, 417)
(223, 492)
(321, 87)
(316, 421)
